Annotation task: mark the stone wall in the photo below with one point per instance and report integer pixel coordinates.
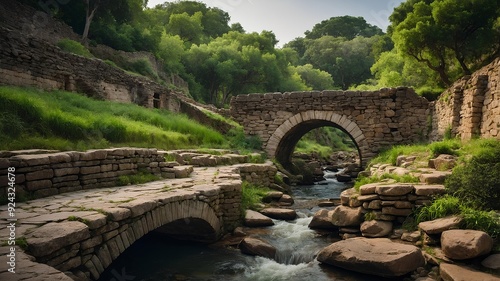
(471, 107)
(47, 174)
(258, 174)
(374, 120)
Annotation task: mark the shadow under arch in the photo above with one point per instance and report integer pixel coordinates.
(282, 142)
(194, 219)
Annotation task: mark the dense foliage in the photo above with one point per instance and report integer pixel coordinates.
(429, 44)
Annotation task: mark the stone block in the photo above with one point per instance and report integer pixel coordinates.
(37, 185)
(90, 170)
(53, 236)
(394, 189)
(39, 175)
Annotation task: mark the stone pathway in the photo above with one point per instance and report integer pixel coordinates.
(88, 206)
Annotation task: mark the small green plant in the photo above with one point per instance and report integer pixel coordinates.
(251, 196)
(370, 216)
(448, 133)
(139, 178)
(74, 218)
(143, 66)
(74, 47)
(20, 241)
(449, 146)
(441, 207)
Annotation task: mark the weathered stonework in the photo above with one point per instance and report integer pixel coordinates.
(47, 174)
(471, 107)
(374, 120)
(82, 233)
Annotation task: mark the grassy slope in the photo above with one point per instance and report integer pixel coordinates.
(31, 118)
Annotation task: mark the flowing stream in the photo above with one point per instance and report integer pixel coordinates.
(156, 258)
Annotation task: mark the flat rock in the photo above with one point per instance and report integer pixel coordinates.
(492, 262)
(279, 214)
(347, 216)
(368, 189)
(257, 247)
(434, 178)
(440, 225)
(429, 189)
(376, 256)
(452, 272)
(394, 189)
(256, 219)
(461, 244)
(375, 228)
(53, 236)
(322, 219)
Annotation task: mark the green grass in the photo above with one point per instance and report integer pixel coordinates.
(308, 147)
(473, 218)
(74, 47)
(61, 120)
(251, 196)
(139, 178)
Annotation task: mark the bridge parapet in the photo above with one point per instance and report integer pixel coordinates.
(373, 119)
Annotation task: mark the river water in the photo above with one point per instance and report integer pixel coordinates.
(156, 258)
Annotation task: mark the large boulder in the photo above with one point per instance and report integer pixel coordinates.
(256, 219)
(376, 256)
(347, 216)
(279, 214)
(257, 247)
(452, 272)
(461, 244)
(375, 228)
(322, 219)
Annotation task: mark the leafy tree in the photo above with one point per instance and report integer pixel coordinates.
(315, 78)
(348, 27)
(348, 61)
(171, 49)
(239, 63)
(451, 37)
(189, 28)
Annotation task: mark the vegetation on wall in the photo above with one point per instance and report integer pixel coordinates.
(473, 187)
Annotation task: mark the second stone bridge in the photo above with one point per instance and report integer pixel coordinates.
(374, 120)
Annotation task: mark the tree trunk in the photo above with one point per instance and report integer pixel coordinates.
(90, 12)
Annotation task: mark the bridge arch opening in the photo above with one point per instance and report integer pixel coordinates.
(283, 141)
(191, 220)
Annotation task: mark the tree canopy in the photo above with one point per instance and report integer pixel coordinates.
(429, 44)
(450, 37)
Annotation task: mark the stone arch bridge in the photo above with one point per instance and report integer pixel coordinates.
(373, 119)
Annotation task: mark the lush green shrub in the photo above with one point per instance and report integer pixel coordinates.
(238, 139)
(477, 180)
(441, 207)
(74, 47)
(450, 147)
(143, 67)
(473, 218)
(252, 196)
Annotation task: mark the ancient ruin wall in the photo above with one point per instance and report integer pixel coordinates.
(470, 108)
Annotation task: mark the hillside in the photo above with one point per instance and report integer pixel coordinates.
(62, 120)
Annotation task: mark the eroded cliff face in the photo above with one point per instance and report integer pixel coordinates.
(471, 107)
